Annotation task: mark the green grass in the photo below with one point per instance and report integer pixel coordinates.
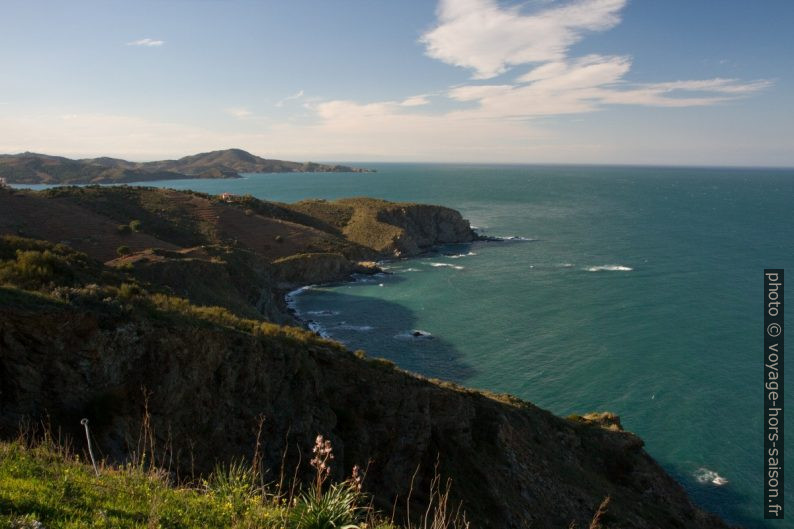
(58, 490)
(44, 486)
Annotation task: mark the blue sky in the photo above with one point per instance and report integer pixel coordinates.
(584, 81)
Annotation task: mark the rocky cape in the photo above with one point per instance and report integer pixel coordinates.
(33, 168)
(187, 324)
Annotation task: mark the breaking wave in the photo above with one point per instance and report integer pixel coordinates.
(704, 475)
(609, 268)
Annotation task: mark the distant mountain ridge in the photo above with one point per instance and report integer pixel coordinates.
(34, 168)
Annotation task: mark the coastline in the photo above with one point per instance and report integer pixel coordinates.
(288, 296)
(318, 265)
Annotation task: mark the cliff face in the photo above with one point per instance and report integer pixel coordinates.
(512, 464)
(310, 268)
(423, 227)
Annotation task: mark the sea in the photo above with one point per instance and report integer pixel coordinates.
(637, 290)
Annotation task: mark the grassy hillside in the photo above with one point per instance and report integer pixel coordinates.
(43, 485)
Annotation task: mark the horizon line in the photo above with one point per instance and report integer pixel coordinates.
(419, 162)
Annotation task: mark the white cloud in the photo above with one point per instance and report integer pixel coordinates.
(481, 35)
(490, 39)
(296, 95)
(415, 101)
(589, 84)
(146, 42)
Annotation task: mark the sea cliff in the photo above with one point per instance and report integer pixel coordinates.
(172, 307)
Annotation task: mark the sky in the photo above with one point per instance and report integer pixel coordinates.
(678, 82)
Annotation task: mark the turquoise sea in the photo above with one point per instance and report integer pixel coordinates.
(635, 289)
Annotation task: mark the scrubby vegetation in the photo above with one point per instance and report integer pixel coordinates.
(32, 264)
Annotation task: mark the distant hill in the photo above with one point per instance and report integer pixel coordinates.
(33, 168)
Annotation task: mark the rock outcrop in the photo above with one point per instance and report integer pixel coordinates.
(423, 227)
(391, 228)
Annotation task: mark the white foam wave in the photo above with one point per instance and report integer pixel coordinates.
(322, 313)
(318, 329)
(360, 328)
(516, 238)
(411, 270)
(567, 265)
(290, 297)
(704, 475)
(458, 256)
(447, 265)
(609, 268)
(414, 334)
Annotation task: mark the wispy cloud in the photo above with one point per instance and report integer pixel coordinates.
(491, 40)
(589, 83)
(415, 101)
(296, 95)
(482, 36)
(146, 42)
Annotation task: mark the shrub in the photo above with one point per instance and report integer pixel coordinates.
(335, 509)
(124, 229)
(135, 225)
(128, 291)
(123, 250)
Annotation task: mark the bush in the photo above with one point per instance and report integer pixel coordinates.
(34, 268)
(135, 225)
(123, 250)
(124, 229)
